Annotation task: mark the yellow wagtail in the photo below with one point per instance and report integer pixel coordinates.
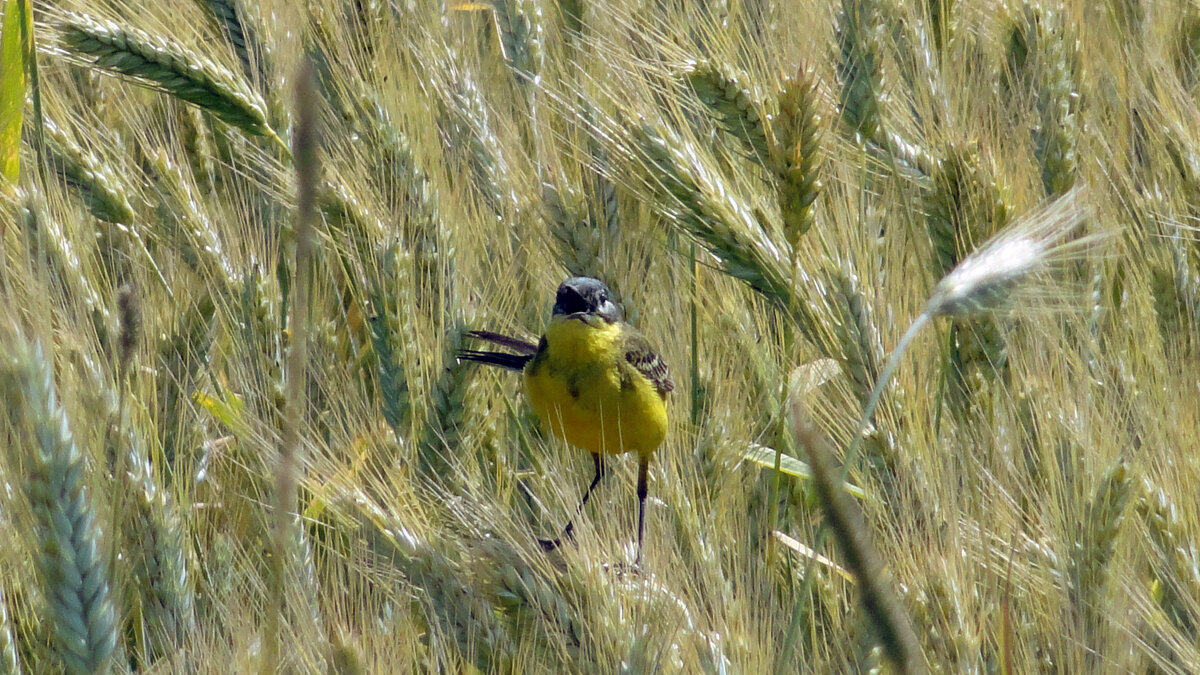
(594, 380)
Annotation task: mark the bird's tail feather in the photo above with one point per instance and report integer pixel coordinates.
(498, 359)
(516, 344)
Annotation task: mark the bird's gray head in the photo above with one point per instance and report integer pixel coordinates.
(582, 296)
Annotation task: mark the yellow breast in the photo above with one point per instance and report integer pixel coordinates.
(584, 391)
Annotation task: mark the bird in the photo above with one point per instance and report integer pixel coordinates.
(594, 381)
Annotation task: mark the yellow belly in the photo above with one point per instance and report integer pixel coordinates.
(585, 392)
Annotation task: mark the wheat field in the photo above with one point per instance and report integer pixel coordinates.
(243, 242)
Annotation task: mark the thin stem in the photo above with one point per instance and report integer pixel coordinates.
(695, 338)
(307, 177)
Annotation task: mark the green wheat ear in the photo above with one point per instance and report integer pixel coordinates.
(1096, 545)
(519, 23)
(229, 17)
(70, 562)
(1176, 571)
(1043, 56)
(165, 66)
(860, 39)
(103, 192)
(796, 154)
(733, 103)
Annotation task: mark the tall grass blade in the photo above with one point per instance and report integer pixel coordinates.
(12, 87)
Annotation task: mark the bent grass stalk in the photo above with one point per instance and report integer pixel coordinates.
(894, 626)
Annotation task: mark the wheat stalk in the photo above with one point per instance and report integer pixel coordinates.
(390, 323)
(166, 66)
(444, 586)
(399, 166)
(604, 208)
(64, 258)
(196, 139)
(469, 126)
(200, 245)
(937, 607)
(985, 280)
(585, 223)
(979, 285)
(446, 418)
(718, 219)
(70, 562)
(306, 152)
(153, 539)
(894, 628)
(180, 355)
(855, 330)
(581, 245)
(963, 206)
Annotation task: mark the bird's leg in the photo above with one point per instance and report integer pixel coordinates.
(569, 530)
(643, 488)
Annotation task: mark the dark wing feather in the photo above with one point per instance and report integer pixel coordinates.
(642, 356)
(516, 344)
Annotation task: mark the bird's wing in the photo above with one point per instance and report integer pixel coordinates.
(642, 356)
